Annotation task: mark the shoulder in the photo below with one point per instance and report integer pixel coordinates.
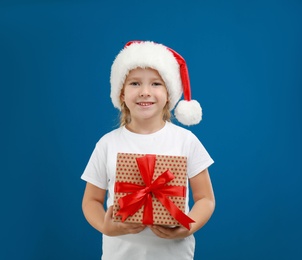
(179, 131)
(110, 136)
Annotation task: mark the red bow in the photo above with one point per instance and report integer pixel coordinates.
(142, 195)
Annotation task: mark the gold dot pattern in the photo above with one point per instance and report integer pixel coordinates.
(127, 171)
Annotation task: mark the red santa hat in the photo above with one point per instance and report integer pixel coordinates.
(171, 67)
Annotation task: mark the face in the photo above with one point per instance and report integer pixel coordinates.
(145, 94)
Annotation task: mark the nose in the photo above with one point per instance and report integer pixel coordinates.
(145, 91)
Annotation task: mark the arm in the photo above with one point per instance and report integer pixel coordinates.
(204, 200)
(202, 210)
(101, 220)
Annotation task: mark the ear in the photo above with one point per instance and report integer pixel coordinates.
(122, 98)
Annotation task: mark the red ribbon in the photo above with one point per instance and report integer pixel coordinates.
(141, 195)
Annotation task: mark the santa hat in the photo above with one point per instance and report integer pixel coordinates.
(171, 67)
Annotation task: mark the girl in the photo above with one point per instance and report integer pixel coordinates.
(147, 80)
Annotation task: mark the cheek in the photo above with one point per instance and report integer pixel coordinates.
(126, 98)
(167, 96)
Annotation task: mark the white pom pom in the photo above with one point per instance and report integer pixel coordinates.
(188, 112)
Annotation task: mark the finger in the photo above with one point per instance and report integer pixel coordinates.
(110, 211)
(130, 224)
(138, 229)
(158, 231)
(160, 234)
(132, 228)
(167, 232)
(161, 229)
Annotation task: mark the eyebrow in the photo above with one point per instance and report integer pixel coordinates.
(132, 78)
(138, 78)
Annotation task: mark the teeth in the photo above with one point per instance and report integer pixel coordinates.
(145, 104)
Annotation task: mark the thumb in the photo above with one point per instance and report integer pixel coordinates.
(110, 211)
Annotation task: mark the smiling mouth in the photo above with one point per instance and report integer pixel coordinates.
(144, 104)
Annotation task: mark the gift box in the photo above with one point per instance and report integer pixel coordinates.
(151, 189)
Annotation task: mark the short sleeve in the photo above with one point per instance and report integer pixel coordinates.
(95, 171)
(198, 157)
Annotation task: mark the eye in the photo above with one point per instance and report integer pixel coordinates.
(134, 83)
(157, 84)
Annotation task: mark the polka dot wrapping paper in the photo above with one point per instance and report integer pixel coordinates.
(128, 171)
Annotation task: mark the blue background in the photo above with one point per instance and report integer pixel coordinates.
(245, 62)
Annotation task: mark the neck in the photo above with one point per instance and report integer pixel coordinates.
(145, 127)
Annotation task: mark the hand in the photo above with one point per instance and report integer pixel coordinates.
(111, 228)
(170, 233)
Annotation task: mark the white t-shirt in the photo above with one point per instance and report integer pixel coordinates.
(100, 171)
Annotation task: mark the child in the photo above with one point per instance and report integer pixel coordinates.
(147, 80)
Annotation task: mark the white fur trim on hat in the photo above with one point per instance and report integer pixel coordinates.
(146, 55)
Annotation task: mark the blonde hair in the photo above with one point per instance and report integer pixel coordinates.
(125, 116)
